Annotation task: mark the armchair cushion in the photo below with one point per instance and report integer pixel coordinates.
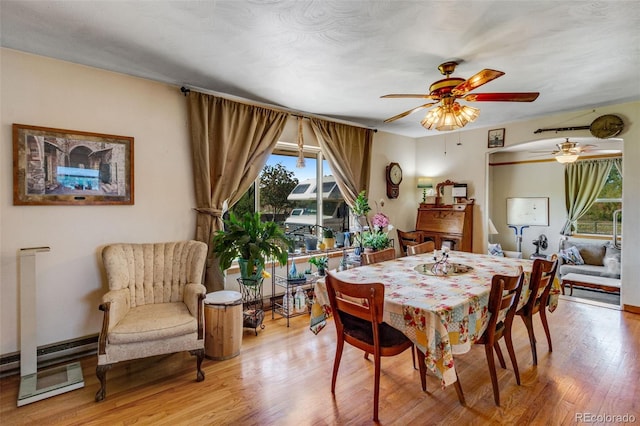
(154, 322)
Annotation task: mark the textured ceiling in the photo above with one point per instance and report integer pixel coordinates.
(336, 58)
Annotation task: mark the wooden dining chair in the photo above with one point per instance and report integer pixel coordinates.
(361, 325)
(503, 302)
(408, 238)
(426, 247)
(543, 273)
(378, 256)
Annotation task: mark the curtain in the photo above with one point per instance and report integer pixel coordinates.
(230, 143)
(617, 162)
(583, 181)
(348, 151)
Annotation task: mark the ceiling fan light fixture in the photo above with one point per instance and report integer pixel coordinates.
(449, 116)
(566, 158)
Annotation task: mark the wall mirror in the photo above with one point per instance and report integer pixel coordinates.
(445, 193)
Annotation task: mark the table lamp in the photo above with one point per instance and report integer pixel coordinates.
(427, 188)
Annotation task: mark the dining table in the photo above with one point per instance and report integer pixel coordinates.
(443, 312)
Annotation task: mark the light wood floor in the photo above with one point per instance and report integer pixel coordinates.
(283, 377)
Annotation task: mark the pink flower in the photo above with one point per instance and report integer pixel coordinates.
(380, 220)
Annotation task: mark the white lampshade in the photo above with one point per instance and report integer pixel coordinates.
(492, 228)
(566, 158)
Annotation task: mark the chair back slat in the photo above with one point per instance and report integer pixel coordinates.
(426, 247)
(543, 273)
(378, 256)
(362, 300)
(409, 238)
(503, 298)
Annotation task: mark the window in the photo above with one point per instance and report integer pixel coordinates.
(289, 195)
(598, 220)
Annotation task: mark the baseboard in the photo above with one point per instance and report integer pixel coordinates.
(631, 308)
(52, 354)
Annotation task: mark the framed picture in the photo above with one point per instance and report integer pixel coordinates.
(69, 167)
(496, 138)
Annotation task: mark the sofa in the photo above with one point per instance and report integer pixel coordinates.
(595, 258)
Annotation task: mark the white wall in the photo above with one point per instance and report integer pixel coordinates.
(459, 157)
(51, 93)
(527, 180)
(402, 211)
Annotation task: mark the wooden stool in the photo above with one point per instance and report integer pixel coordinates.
(223, 324)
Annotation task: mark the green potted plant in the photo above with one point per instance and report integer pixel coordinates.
(321, 262)
(328, 238)
(375, 240)
(251, 241)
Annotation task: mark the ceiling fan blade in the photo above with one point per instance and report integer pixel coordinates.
(475, 81)
(503, 97)
(411, 111)
(410, 95)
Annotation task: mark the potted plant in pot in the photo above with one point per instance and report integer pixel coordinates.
(321, 262)
(328, 238)
(251, 241)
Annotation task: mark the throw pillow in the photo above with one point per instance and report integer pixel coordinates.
(496, 250)
(571, 256)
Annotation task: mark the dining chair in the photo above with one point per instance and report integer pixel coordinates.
(357, 309)
(378, 256)
(503, 302)
(543, 273)
(408, 238)
(426, 247)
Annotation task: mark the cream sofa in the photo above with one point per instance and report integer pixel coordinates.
(600, 259)
(154, 304)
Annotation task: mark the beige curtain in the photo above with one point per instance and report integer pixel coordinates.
(348, 151)
(230, 143)
(583, 181)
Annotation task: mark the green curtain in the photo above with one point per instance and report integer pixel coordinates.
(230, 143)
(583, 181)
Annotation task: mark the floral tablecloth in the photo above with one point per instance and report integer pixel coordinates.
(443, 316)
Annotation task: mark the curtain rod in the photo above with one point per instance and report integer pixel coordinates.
(185, 91)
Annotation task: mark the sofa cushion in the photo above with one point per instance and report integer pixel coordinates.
(571, 256)
(580, 269)
(154, 322)
(496, 250)
(592, 254)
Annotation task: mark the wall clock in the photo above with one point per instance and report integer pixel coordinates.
(394, 177)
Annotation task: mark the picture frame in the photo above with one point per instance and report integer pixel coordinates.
(496, 138)
(70, 167)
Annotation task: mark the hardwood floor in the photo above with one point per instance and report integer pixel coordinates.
(283, 376)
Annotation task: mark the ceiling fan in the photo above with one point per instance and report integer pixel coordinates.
(568, 151)
(449, 114)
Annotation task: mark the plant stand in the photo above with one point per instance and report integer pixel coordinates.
(253, 309)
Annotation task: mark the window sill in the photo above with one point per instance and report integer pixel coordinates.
(235, 269)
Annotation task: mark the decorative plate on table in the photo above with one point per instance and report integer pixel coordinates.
(451, 269)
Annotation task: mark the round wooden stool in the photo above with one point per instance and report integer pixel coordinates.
(223, 324)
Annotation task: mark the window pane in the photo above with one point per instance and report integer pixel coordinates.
(288, 195)
(599, 218)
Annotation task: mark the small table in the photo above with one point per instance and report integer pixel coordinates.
(591, 281)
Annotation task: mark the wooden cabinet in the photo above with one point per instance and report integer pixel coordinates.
(449, 225)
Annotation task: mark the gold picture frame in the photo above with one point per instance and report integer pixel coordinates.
(70, 167)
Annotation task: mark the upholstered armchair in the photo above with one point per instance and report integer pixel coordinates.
(154, 305)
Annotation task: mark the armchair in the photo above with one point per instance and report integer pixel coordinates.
(154, 304)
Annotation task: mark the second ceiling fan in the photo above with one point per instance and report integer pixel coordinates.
(449, 114)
